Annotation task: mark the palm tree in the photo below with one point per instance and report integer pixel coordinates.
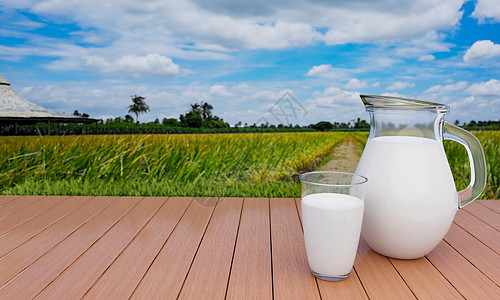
(138, 107)
(196, 109)
(206, 110)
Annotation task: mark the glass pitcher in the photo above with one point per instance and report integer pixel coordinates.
(411, 198)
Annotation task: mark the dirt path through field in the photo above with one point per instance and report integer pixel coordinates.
(344, 157)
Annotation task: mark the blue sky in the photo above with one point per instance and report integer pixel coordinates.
(293, 61)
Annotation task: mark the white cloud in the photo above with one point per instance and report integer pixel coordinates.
(478, 101)
(486, 9)
(152, 64)
(319, 70)
(482, 50)
(474, 108)
(222, 25)
(355, 84)
(266, 96)
(328, 72)
(422, 46)
(334, 105)
(427, 57)
(122, 33)
(220, 90)
(383, 62)
(399, 85)
(114, 37)
(387, 22)
(489, 88)
(333, 97)
(446, 89)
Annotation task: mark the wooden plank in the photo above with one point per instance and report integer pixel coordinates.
(292, 278)
(482, 212)
(7, 198)
(166, 275)
(43, 271)
(474, 251)
(85, 271)
(19, 217)
(350, 288)
(17, 204)
(29, 229)
(479, 229)
(468, 280)
(424, 280)
(379, 277)
(24, 255)
(466, 263)
(123, 276)
(491, 204)
(209, 273)
(251, 273)
(298, 204)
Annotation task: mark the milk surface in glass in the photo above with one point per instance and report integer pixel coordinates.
(332, 226)
(411, 198)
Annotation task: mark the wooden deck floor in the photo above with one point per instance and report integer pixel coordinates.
(209, 248)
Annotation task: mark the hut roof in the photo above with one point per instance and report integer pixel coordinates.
(15, 107)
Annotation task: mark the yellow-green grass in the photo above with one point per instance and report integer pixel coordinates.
(169, 165)
(263, 165)
(459, 162)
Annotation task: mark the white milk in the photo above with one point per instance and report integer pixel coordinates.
(332, 226)
(411, 198)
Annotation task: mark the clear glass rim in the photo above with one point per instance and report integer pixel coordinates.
(362, 178)
(397, 103)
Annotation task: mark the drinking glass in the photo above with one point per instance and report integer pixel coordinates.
(332, 213)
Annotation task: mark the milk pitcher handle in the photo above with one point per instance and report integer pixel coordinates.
(476, 159)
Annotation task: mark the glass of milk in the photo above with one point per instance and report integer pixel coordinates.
(332, 214)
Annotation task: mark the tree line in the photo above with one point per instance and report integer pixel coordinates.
(198, 119)
(200, 116)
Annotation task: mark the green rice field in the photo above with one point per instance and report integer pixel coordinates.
(459, 162)
(173, 165)
(252, 165)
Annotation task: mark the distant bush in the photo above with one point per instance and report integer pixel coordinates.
(133, 128)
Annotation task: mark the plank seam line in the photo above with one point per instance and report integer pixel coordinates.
(361, 282)
(37, 213)
(485, 275)
(234, 248)
(15, 197)
(407, 285)
(468, 212)
(271, 245)
(480, 201)
(42, 229)
(468, 232)
(62, 240)
(298, 214)
(29, 204)
(444, 276)
(81, 254)
(125, 248)
(302, 228)
(198, 248)
(161, 248)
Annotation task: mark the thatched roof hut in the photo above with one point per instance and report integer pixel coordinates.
(16, 109)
